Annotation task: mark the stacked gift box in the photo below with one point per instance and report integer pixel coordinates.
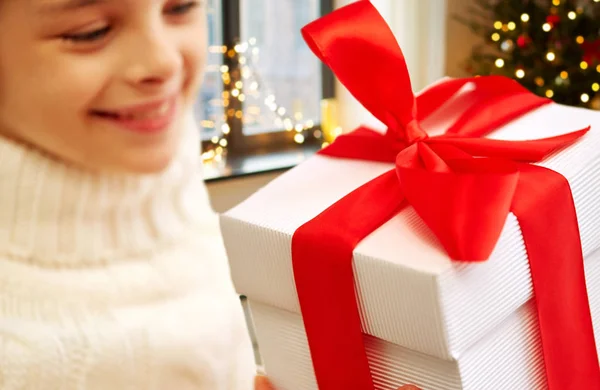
(426, 318)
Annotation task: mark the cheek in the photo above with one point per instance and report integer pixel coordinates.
(194, 51)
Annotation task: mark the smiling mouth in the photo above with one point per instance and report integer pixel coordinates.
(156, 113)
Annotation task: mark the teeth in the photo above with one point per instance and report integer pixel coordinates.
(157, 113)
(162, 110)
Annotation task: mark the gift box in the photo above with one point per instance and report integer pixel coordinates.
(425, 314)
(508, 357)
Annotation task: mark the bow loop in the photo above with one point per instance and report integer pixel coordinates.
(364, 64)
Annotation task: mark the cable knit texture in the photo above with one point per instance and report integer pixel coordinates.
(115, 283)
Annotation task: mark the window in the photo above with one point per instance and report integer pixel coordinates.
(263, 87)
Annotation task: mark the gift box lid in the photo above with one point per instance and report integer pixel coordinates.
(409, 291)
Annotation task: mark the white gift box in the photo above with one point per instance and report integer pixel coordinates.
(410, 293)
(509, 357)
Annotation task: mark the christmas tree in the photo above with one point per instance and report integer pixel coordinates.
(552, 47)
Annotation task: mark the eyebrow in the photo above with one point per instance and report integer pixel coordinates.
(68, 5)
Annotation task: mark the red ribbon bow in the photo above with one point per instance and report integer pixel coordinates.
(462, 186)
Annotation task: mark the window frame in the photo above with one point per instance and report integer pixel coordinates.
(238, 144)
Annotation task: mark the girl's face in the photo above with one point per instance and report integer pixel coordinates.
(101, 83)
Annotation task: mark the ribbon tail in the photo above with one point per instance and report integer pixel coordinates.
(362, 144)
(544, 207)
(322, 263)
(525, 151)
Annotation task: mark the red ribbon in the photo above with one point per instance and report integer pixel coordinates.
(462, 187)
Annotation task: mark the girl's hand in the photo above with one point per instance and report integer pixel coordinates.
(262, 383)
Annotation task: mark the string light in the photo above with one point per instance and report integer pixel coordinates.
(511, 25)
(497, 25)
(564, 75)
(520, 73)
(572, 15)
(556, 2)
(585, 97)
(550, 56)
(549, 93)
(595, 87)
(282, 120)
(499, 62)
(583, 65)
(539, 81)
(579, 39)
(598, 66)
(495, 37)
(546, 27)
(525, 17)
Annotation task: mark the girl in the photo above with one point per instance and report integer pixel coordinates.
(112, 273)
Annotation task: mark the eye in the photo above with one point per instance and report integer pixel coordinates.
(183, 8)
(88, 36)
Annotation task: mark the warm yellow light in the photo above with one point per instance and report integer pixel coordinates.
(585, 97)
(511, 25)
(288, 125)
(224, 69)
(595, 87)
(579, 39)
(223, 143)
(539, 81)
(556, 2)
(225, 128)
(215, 139)
(525, 17)
(242, 97)
(549, 93)
(495, 37)
(572, 15)
(598, 68)
(239, 84)
(497, 25)
(520, 73)
(299, 138)
(235, 92)
(550, 56)
(546, 27)
(564, 75)
(281, 111)
(499, 63)
(583, 65)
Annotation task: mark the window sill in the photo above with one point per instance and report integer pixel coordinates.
(236, 166)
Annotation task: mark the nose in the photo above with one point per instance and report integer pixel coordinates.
(154, 60)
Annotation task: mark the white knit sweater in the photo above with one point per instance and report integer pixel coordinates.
(114, 283)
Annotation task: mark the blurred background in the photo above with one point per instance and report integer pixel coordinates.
(267, 103)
